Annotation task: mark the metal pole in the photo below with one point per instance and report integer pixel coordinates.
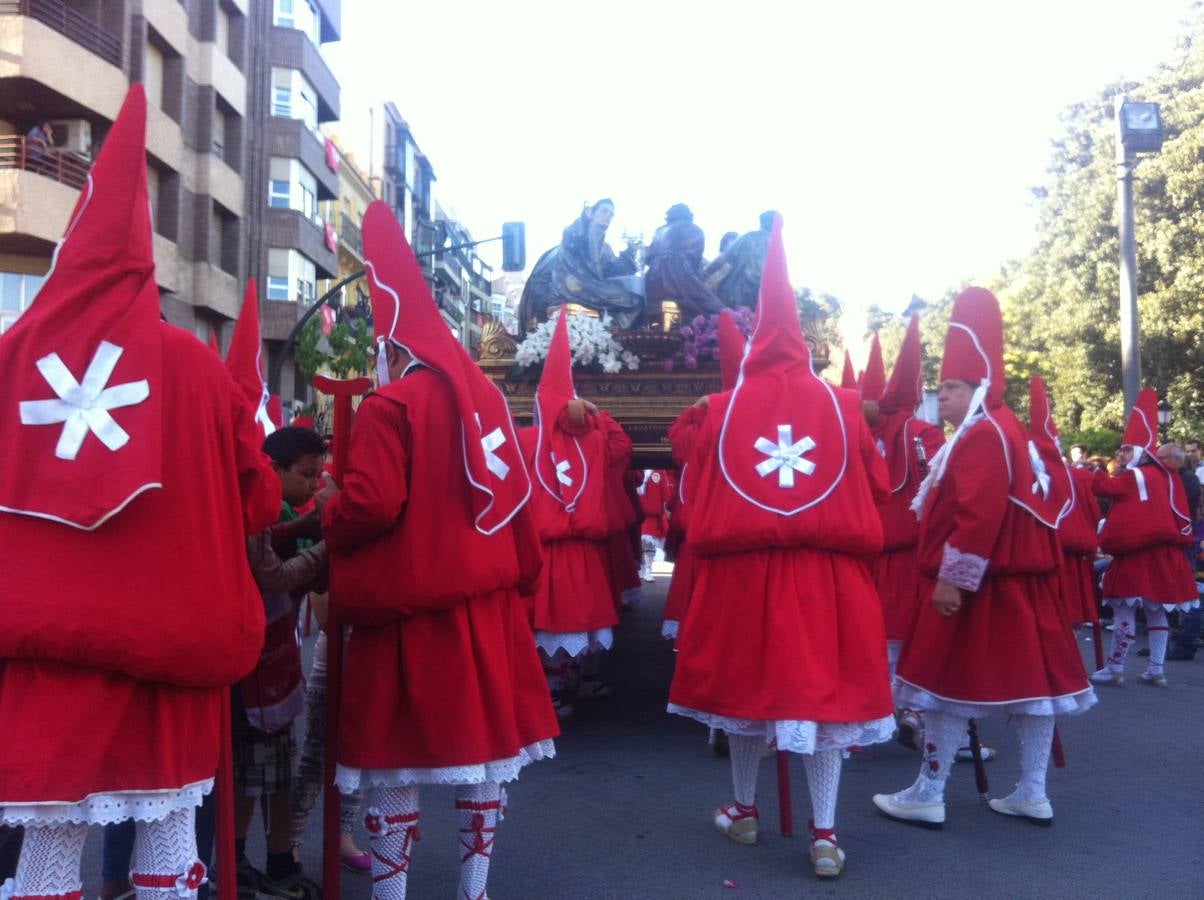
(1130, 349)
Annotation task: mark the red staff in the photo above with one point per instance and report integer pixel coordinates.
(342, 391)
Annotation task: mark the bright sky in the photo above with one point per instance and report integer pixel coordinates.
(898, 139)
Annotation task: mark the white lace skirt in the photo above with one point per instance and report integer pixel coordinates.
(574, 643)
(349, 779)
(799, 736)
(909, 696)
(106, 809)
(1116, 602)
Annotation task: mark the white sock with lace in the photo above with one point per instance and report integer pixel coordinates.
(478, 810)
(1124, 621)
(1036, 739)
(49, 864)
(943, 734)
(1155, 619)
(746, 753)
(823, 783)
(165, 862)
(392, 825)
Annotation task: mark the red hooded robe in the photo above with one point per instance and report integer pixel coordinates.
(1148, 524)
(430, 546)
(784, 625)
(907, 443)
(569, 464)
(132, 608)
(989, 526)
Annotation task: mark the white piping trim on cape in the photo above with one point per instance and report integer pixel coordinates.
(569, 505)
(844, 463)
(150, 485)
(508, 424)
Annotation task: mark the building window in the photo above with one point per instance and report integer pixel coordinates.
(309, 204)
(152, 75)
(219, 133)
(307, 106)
(282, 102)
(17, 291)
(284, 14)
(221, 35)
(278, 194)
(301, 15)
(278, 287)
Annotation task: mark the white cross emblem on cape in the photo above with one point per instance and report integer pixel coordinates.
(84, 406)
(562, 470)
(785, 457)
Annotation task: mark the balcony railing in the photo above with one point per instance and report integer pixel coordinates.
(22, 153)
(352, 236)
(70, 24)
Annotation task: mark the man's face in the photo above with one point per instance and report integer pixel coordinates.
(953, 400)
(300, 481)
(1077, 455)
(1193, 453)
(1124, 455)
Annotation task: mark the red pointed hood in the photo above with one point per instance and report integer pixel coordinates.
(905, 389)
(560, 464)
(974, 344)
(897, 407)
(974, 353)
(848, 377)
(1045, 450)
(873, 381)
(244, 360)
(731, 348)
(1141, 433)
(1142, 428)
(783, 444)
(403, 311)
(81, 372)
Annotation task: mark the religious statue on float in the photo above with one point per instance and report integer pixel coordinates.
(585, 271)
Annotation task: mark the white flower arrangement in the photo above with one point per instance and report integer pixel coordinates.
(590, 340)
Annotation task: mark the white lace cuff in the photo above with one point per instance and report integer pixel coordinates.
(962, 569)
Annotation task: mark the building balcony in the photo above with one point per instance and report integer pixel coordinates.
(69, 23)
(290, 138)
(293, 49)
(352, 236)
(29, 156)
(288, 229)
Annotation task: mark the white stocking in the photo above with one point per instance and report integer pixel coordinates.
(746, 753)
(392, 828)
(478, 809)
(50, 862)
(893, 649)
(1124, 620)
(165, 862)
(823, 781)
(943, 734)
(1156, 620)
(1036, 738)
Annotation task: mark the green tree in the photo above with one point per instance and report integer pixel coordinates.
(346, 351)
(1061, 301)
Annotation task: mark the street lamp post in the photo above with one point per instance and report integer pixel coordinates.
(1138, 131)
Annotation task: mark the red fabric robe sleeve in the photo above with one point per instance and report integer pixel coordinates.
(374, 486)
(618, 444)
(981, 494)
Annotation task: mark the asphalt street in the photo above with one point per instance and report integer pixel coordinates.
(624, 811)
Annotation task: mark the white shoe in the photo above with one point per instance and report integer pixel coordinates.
(1039, 812)
(650, 578)
(1108, 677)
(1158, 680)
(739, 826)
(927, 814)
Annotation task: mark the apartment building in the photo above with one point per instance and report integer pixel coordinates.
(237, 90)
(459, 279)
